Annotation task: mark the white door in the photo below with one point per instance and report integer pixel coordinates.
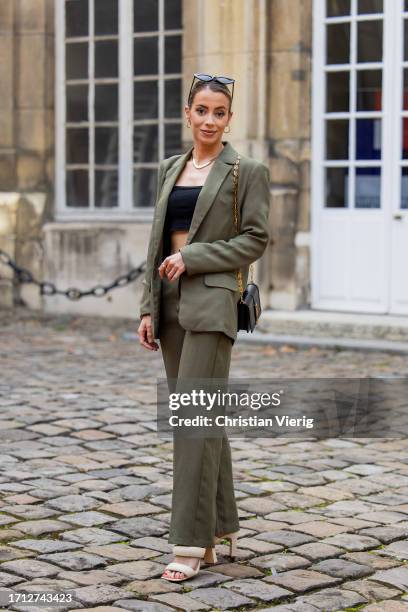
(359, 240)
(399, 224)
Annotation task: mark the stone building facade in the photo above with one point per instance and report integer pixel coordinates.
(91, 99)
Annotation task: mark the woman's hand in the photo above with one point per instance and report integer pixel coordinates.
(145, 332)
(173, 266)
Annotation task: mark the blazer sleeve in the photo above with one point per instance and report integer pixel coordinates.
(248, 245)
(145, 299)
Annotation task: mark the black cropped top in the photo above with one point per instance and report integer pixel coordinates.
(180, 209)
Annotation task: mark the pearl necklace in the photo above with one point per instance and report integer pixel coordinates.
(205, 164)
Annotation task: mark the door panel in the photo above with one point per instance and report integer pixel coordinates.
(359, 245)
(352, 243)
(399, 217)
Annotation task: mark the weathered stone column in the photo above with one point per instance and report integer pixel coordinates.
(289, 132)
(26, 138)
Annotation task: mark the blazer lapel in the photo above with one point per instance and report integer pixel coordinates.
(208, 193)
(212, 184)
(171, 177)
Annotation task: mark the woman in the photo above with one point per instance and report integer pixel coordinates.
(189, 303)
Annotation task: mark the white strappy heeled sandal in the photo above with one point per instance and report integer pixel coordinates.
(233, 539)
(207, 554)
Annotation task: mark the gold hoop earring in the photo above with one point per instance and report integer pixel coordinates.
(227, 131)
(188, 124)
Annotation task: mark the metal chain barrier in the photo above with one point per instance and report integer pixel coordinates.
(48, 288)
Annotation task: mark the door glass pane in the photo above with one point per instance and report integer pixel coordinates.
(145, 100)
(335, 8)
(172, 14)
(369, 41)
(144, 186)
(152, 94)
(106, 58)
(337, 139)
(338, 91)
(336, 187)
(76, 18)
(405, 39)
(77, 103)
(368, 188)
(145, 140)
(405, 138)
(368, 139)
(172, 139)
(338, 43)
(369, 90)
(106, 102)
(76, 60)
(77, 146)
(146, 15)
(172, 54)
(106, 145)
(77, 188)
(404, 187)
(106, 17)
(405, 92)
(173, 105)
(370, 6)
(106, 188)
(145, 51)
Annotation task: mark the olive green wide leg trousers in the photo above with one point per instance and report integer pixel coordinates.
(203, 500)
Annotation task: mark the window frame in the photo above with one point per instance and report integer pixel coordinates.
(390, 162)
(320, 115)
(125, 210)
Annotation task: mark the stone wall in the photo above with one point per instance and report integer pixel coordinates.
(83, 255)
(289, 134)
(26, 138)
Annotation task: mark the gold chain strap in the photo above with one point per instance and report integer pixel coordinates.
(235, 174)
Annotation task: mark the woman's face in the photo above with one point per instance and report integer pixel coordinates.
(209, 116)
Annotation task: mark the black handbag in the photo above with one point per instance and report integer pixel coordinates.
(249, 303)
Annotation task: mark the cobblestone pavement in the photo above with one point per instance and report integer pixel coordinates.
(85, 484)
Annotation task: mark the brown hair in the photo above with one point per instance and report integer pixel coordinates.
(214, 86)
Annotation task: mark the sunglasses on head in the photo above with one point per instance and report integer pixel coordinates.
(208, 77)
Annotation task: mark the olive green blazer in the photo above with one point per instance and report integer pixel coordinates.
(208, 287)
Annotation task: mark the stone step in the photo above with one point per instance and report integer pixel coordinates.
(323, 324)
(348, 331)
(353, 344)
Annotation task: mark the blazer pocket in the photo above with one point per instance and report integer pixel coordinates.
(222, 279)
